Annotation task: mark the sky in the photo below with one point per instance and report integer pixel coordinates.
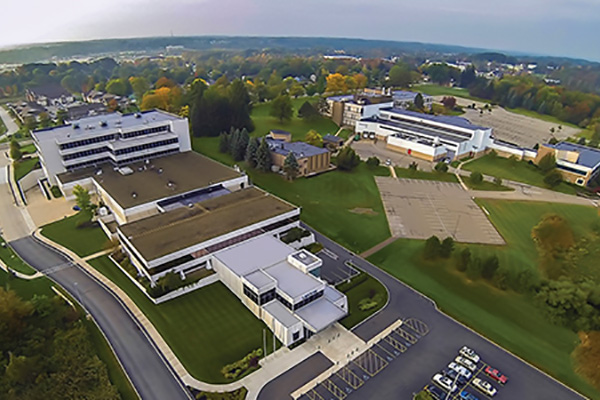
(548, 27)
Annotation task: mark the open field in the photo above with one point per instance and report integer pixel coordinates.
(24, 167)
(509, 319)
(438, 90)
(510, 169)
(83, 241)
(206, 329)
(331, 202)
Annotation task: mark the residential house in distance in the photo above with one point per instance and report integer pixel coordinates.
(404, 99)
(577, 164)
(333, 142)
(311, 159)
(278, 134)
(51, 94)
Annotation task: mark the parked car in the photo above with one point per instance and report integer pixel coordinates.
(470, 354)
(466, 362)
(388, 162)
(444, 382)
(496, 375)
(460, 369)
(485, 387)
(452, 374)
(76, 208)
(468, 396)
(435, 392)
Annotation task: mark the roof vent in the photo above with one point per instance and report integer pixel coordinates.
(75, 126)
(133, 194)
(103, 124)
(138, 115)
(160, 170)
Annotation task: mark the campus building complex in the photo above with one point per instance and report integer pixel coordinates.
(174, 211)
(114, 139)
(311, 159)
(425, 136)
(577, 164)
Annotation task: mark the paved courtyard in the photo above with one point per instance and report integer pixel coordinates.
(418, 209)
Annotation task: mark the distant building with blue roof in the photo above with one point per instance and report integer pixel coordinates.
(577, 164)
(311, 159)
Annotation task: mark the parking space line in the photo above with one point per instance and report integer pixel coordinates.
(418, 326)
(405, 335)
(384, 349)
(350, 378)
(395, 344)
(372, 359)
(312, 394)
(334, 389)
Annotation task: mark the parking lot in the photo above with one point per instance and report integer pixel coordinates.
(347, 381)
(335, 269)
(418, 209)
(468, 386)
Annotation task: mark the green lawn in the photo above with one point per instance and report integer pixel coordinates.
(507, 168)
(2, 127)
(206, 329)
(24, 167)
(298, 127)
(543, 117)
(438, 90)
(366, 289)
(345, 133)
(12, 260)
(485, 185)
(425, 175)
(509, 319)
(345, 206)
(28, 149)
(83, 241)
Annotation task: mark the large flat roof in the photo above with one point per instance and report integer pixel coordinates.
(160, 178)
(181, 228)
(100, 125)
(452, 120)
(588, 156)
(281, 314)
(291, 280)
(320, 313)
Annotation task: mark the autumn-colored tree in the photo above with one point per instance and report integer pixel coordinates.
(587, 357)
(165, 98)
(164, 82)
(449, 102)
(314, 138)
(336, 83)
(361, 81)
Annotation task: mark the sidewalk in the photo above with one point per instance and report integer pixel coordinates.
(18, 274)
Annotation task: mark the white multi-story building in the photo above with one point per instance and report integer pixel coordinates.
(429, 137)
(117, 139)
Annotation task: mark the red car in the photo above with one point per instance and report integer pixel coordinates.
(496, 375)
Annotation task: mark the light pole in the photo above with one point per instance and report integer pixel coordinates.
(453, 385)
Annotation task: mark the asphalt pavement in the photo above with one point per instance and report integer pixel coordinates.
(410, 371)
(148, 371)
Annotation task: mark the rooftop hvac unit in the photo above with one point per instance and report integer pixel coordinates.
(125, 171)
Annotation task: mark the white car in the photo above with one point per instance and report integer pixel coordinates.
(444, 382)
(485, 387)
(466, 362)
(460, 369)
(470, 354)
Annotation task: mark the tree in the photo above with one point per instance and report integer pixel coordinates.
(413, 166)
(547, 163)
(336, 83)
(139, 85)
(419, 102)
(464, 260)
(446, 247)
(45, 120)
(307, 111)
(119, 87)
(441, 167)
(163, 81)
(61, 116)
(449, 102)
(290, 166)
(82, 197)
(314, 138)
(263, 157)
(423, 395)
(468, 76)
(281, 108)
(240, 106)
(241, 144)
(489, 267)
(476, 177)
(581, 141)
(432, 248)
(30, 123)
(373, 162)
(553, 178)
(224, 142)
(251, 150)
(15, 150)
(400, 76)
(347, 159)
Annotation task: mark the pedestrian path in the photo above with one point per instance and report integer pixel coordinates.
(18, 274)
(378, 247)
(98, 254)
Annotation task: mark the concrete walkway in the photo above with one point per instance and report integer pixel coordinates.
(378, 247)
(98, 254)
(18, 274)
(11, 126)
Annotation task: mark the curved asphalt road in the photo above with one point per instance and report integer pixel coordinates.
(412, 370)
(149, 373)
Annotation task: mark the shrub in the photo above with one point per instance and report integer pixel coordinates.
(547, 163)
(497, 181)
(56, 193)
(476, 177)
(432, 248)
(294, 235)
(347, 159)
(234, 370)
(553, 179)
(354, 282)
(413, 166)
(463, 260)
(446, 247)
(373, 162)
(441, 167)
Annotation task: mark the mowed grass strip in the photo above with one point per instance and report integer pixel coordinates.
(371, 287)
(345, 206)
(425, 175)
(24, 166)
(12, 259)
(206, 329)
(519, 171)
(83, 241)
(507, 318)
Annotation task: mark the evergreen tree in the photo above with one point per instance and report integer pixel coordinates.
(234, 138)
(347, 159)
(419, 102)
(241, 145)
(251, 152)
(224, 142)
(263, 156)
(241, 107)
(307, 111)
(290, 166)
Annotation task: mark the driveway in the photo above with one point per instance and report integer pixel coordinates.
(11, 126)
(411, 371)
(151, 376)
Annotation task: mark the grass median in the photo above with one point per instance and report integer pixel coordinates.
(77, 234)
